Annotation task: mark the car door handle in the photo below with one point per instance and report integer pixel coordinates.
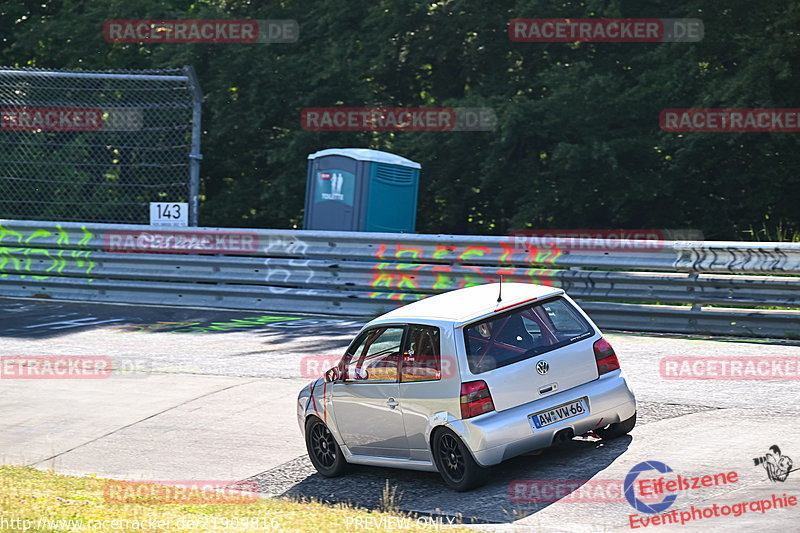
(392, 403)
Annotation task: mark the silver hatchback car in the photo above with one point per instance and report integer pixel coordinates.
(464, 380)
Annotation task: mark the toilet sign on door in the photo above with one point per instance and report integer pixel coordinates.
(336, 185)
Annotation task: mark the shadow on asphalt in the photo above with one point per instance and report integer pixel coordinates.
(37, 318)
(425, 492)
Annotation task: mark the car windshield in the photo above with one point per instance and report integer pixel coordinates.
(522, 333)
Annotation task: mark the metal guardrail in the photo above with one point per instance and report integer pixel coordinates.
(728, 288)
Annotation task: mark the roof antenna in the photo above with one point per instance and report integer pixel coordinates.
(500, 292)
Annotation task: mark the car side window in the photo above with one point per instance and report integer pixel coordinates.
(375, 357)
(421, 357)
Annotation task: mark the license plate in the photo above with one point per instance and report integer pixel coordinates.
(559, 413)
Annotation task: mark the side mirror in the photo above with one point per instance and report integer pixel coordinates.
(332, 375)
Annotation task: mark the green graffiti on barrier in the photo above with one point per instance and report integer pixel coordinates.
(199, 327)
(37, 233)
(63, 237)
(87, 236)
(19, 259)
(235, 323)
(4, 232)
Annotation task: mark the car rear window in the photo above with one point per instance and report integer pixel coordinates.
(523, 333)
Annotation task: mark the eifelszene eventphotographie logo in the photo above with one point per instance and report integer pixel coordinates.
(777, 465)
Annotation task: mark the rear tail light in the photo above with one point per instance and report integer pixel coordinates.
(475, 399)
(605, 356)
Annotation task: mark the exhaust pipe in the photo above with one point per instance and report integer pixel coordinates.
(563, 436)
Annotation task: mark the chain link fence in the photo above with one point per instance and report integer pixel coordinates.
(95, 146)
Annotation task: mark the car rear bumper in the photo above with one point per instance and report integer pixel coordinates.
(497, 436)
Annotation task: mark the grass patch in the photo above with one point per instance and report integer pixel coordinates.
(30, 497)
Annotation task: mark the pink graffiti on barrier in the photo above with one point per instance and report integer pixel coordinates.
(404, 277)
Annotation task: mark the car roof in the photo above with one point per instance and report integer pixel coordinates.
(466, 305)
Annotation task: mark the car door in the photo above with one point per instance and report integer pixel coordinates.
(428, 384)
(365, 405)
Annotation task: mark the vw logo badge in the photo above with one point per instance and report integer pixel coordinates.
(542, 367)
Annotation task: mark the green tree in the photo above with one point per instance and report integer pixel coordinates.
(577, 144)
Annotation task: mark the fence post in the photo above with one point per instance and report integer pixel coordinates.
(195, 156)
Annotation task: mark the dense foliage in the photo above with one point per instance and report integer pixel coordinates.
(577, 144)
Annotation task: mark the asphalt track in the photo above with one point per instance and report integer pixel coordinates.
(208, 395)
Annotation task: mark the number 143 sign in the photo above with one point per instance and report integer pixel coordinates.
(169, 214)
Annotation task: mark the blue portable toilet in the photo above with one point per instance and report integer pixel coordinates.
(357, 189)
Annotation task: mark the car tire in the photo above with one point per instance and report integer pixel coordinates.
(613, 431)
(455, 463)
(324, 452)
